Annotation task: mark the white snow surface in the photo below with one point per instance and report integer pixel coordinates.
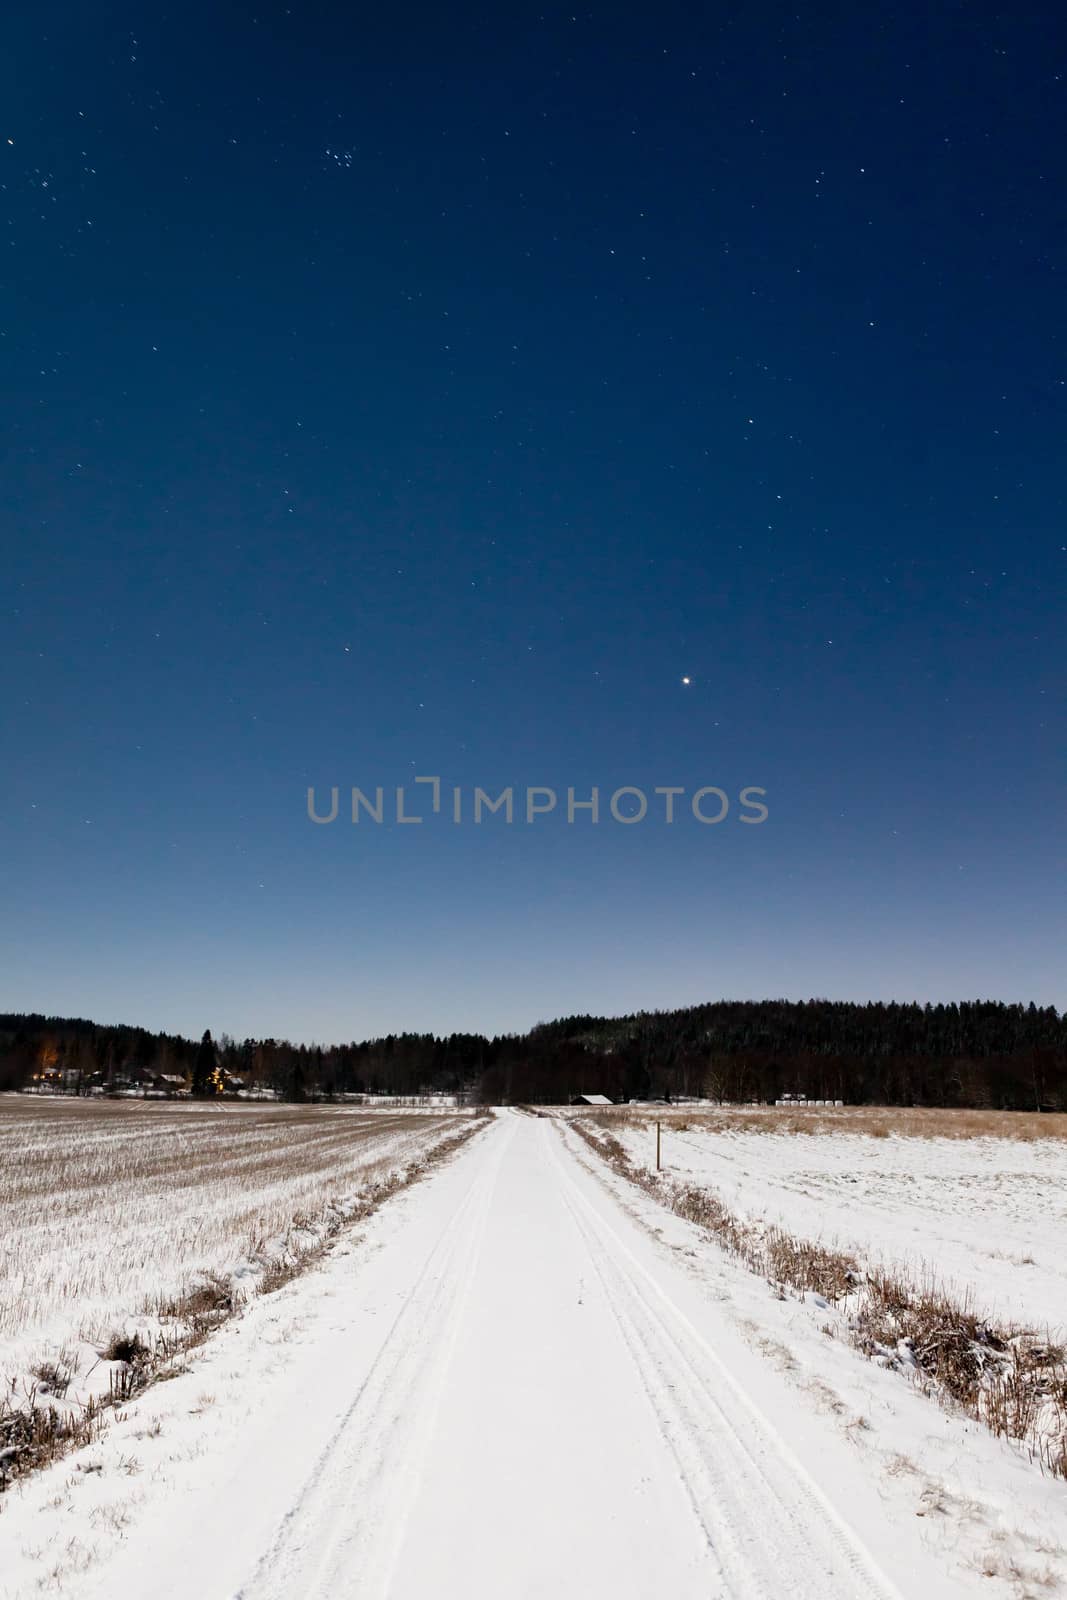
(985, 1216)
(523, 1378)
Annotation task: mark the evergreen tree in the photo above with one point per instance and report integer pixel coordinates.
(204, 1067)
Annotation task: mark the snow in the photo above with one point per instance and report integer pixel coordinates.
(110, 1211)
(984, 1215)
(523, 1377)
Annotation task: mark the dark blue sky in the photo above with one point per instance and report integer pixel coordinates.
(430, 392)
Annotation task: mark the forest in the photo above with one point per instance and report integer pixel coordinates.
(984, 1054)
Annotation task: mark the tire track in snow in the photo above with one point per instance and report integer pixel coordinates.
(767, 1523)
(342, 1535)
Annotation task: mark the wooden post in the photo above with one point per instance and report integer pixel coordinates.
(657, 1146)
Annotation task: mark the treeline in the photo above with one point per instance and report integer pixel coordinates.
(975, 1054)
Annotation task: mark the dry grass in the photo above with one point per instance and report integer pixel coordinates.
(878, 1122)
(1009, 1378)
(1006, 1377)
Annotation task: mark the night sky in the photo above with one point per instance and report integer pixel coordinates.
(431, 391)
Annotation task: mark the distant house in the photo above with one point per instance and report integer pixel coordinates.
(138, 1080)
(171, 1082)
(591, 1100)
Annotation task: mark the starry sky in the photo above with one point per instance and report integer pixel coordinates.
(432, 390)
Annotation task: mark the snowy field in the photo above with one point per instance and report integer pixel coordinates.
(111, 1210)
(976, 1202)
(522, 1377)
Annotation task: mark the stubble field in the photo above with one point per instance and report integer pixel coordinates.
(113, 1212)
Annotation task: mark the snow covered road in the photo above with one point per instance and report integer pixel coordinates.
(544, 1420)
(517, 1391)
